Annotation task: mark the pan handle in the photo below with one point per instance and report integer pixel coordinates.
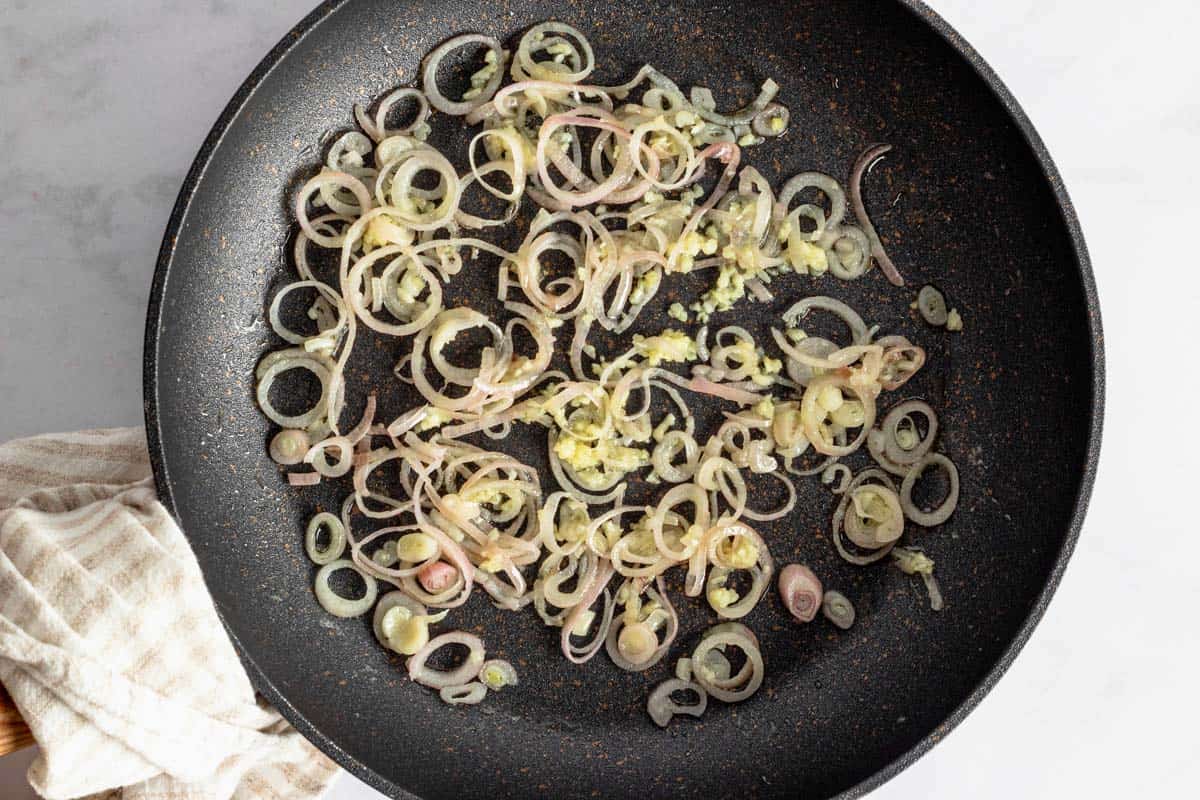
(14, 733)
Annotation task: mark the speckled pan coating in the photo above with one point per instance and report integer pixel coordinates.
(969, 200)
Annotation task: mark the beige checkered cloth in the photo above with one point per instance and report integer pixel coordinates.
(110, 644)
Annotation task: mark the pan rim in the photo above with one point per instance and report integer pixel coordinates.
(1070, 219)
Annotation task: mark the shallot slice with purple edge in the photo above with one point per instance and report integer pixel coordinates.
(801, 592)
(864, 162)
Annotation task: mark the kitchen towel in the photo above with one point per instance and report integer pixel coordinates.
(110, 644)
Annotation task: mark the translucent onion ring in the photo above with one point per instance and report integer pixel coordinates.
(762, 571)
(932, 305)
(354, 293)
(885, 531)
(440, 679)
(678, 495)
(839, 264)
(322, 223)
(861, 165)
(318, 456)
(324, 291)
(651, 565)
(472, 398)
(611, 642)
(813, 180)
(838, 609)
(337, 538)
(334, 603)
(831, 472)
(314, 184)
(890, 427)
(858, 329)
(434, 59)
(528, 68)
(273, 370)
(783, 510)
(671, 444)
(760, 581)
(811, 212)
(839, 515)
(815, 346)
(661, 707)
(738, 687)
(385, 105)
(587, 565)
(622, 172)
(449, 324)
(467, 694)
(686, 167)
(474, 222)
(516, 150)
(505, 103)
(416, 161)
(901, 360)
(928, 519)
(581, 655)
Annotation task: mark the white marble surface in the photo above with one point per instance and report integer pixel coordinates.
(102, 106)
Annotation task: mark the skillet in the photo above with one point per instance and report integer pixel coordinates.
(969, 200)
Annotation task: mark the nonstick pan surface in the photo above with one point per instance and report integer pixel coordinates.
(968, 200)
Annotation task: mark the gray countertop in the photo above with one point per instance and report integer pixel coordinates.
(103, 106)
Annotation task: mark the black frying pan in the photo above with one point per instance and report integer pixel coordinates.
(969, 200)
